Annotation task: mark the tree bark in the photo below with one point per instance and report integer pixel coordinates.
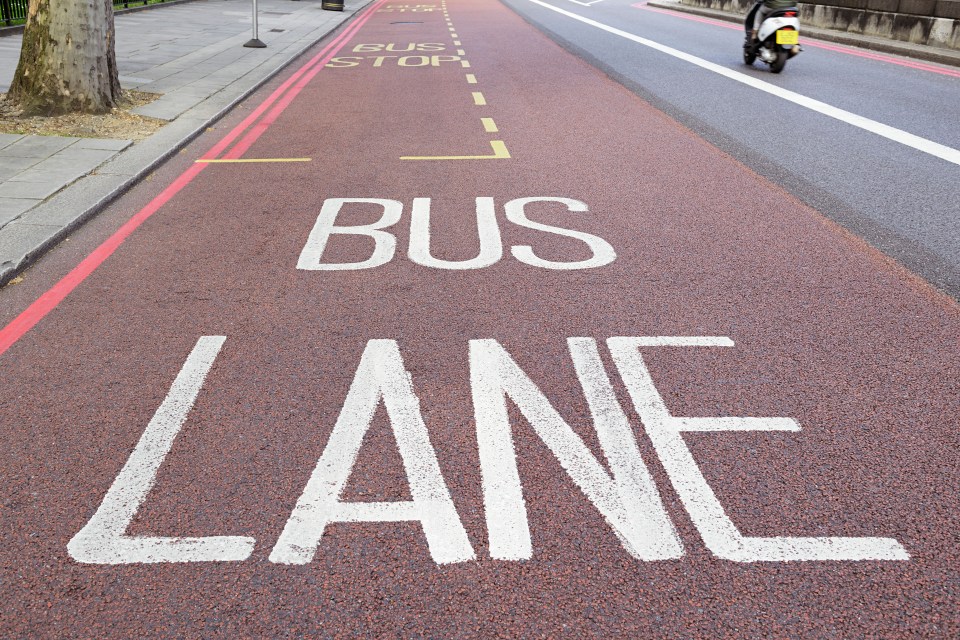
(67, 60)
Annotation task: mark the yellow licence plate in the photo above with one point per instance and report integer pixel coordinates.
(788, 37)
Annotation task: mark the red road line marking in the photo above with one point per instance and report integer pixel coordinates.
(53, 296)
(320, 59)
(43, 305)
(809, 43)
(337, 42)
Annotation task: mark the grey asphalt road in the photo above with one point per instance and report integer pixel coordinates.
(903, 201)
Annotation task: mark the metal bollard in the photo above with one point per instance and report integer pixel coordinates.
(254, 42)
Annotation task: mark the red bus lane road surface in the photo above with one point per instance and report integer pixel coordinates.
(474, 342)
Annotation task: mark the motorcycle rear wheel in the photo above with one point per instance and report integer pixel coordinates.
(777, 65)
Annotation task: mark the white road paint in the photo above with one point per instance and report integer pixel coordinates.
(491, 248)
(627, 496)
(103, 539)
(719, 533)
(385, 243)
(603, 253)
(585, 4)
(891, 133)
(419, 251)
(629, 500)
(380, 376)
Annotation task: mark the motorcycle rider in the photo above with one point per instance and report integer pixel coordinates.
(766, 8)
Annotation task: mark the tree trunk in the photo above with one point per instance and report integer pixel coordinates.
(67, 60)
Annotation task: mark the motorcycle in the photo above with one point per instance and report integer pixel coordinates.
(778, 39)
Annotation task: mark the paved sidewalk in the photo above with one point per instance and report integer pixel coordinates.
(193, 54)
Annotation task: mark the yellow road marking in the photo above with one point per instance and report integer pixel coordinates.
(471, 79)
(465, 64)
(478, 99)
(461, 52)
(254, 160)
(489, 125)
(499, 153)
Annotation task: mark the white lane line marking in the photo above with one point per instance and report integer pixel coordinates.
(626, 495)
(381, 378)
(104, 540)
(891, 133)
(585, 4)
(718, 531)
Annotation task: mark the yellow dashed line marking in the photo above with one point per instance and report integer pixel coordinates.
(471, 79)
(255, 160)
(489, 125)
(499, 153)
(478, 99)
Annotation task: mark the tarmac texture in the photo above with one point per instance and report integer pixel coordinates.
(219, 304)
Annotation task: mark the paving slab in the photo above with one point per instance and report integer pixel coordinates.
(169, 106)
(11, 208)
(39, 188)
(37, 146)
(19, 239)
(74, 156)
(11, 166)
(102, 143)
(6, 139)
(32, 178)
(61, 210)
